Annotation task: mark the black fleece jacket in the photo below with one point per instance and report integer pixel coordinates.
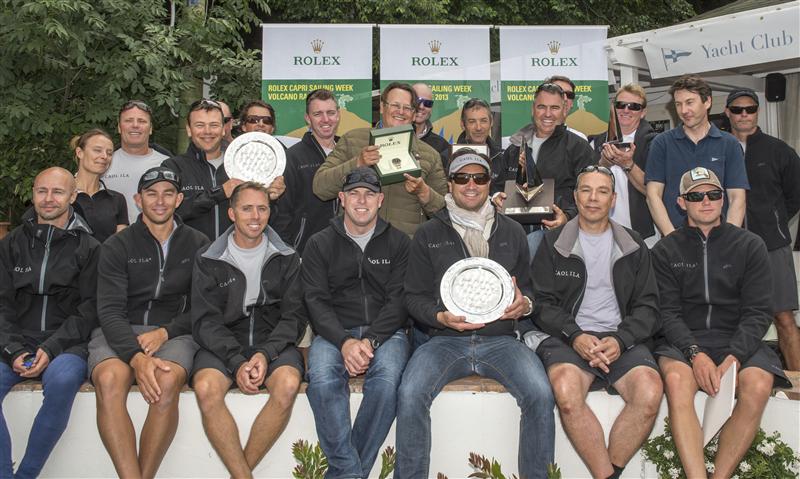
(436, 246)
(137, 285)
(559, 284)
(345, 287)
(720, 283)
(220, 321)
(48, 287)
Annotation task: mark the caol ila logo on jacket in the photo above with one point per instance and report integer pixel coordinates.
(317, 59)
(554, 60)
(434, 60)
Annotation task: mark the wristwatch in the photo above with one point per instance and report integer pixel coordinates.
(627, 169)
(690, 352)
(374, 343)
(530, 306)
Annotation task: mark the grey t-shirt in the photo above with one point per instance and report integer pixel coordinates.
(599, 310)
(536, 144)
(124, 173)
(361, 240)
(249, 262)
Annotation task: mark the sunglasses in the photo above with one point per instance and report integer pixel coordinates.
(362, 177)
(463, 178)
(425, 102)
(697, 196)
(135, 104)
(622, 105)
(737, 110)
(163, 174)
(226, 119)
(204, 105)
(569, 94)
(253, 119)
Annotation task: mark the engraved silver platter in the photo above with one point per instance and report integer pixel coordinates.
(255, 156)
(478, 289)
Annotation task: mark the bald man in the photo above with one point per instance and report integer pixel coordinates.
(47, 310)
(423, 126)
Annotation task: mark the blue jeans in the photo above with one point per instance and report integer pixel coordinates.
(534, 240)
(444, 359)
(352, 452)
(60, 382)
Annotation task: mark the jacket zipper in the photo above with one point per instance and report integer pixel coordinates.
(705, 279)
(216, 205)
(583, 291)
(778, 223)
(161, 262)
(300, 232)
(252, 326)
(363, 290)
(42, 274)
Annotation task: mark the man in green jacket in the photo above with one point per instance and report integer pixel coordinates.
(406, 205)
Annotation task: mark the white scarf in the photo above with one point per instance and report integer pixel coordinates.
(474, 223)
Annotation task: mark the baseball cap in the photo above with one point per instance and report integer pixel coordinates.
(696, 177)
(469, 158)
(158, 174)
(740, 93)
(362, 177)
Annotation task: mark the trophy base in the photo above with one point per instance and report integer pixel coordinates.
(529, 212)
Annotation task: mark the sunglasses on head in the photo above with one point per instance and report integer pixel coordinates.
(253, 119)
(599, 169)
(425, 102)
(463, 178)
(135, 104)
(697, 196)
(204, 105)
(362, 176)
(621, 105)
(737, 110)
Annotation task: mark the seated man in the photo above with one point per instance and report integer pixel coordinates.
(145, 278)
(353, 274)
(597, 297)
(469, 227)
(247, 312)
(48, 283)
(715, 286)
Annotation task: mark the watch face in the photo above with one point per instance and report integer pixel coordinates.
(478, 289)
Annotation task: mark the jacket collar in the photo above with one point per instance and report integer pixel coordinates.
(567, 242)
(337, 223)
(527, 132)
(217, 249)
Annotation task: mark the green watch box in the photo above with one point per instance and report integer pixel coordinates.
(396, 156)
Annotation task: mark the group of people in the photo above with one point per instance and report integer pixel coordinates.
(163, 271)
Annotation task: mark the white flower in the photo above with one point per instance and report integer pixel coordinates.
(669, 454)
(767, 448)
(713, 446)
(674, 472)
(744, 466)
(709, 467)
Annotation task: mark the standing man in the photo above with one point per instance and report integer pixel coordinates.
(301, 213)
(145, 279)
(628, 164)
(258, 116)
(135, 155)
(696, 142)
(353, 274)
(476, 125)
(247, 312)
(227, 121)
(597, 298)
(48, 285)
(408, 204)
(470, 227)
(552, 151)
(568, 86)
(422, 122)
(714, 281)
(773, 170)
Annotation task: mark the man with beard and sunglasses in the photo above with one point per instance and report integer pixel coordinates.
(467, 227)
(716, 304)
(773, 169)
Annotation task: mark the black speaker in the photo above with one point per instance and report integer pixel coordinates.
(775, 87)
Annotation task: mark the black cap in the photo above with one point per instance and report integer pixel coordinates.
(363, 177)
(740, 93)
(157, 174)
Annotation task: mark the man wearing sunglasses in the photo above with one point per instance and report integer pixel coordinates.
(135, 155)
(258, 116)
(695, 142)
(716, 304)
(422, 122)
(628, 164)
(409, 203)
(470, 227)
(597, 300)
(227, 120)
(773, 169)
(144, 288)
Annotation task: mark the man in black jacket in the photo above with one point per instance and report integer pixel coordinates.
(715, 287)
(552, 151)
(470, 227)
(476, 123)
(301, 213)
(597, 299)
(145, 279)
(353, 273)
(48, 283)
(773, 170)
(247, 313)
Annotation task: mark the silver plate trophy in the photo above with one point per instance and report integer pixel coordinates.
(478, 289)
(255, 156)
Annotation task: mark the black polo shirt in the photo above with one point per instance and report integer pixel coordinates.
(103, 211)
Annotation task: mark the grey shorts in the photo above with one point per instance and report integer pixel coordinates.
(784, 280)
(179, 350)
(554, 351)
(290, 356)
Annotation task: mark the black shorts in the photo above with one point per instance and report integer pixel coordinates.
(288, 357)
(554, 351)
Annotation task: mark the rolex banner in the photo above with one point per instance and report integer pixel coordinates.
(452, 60)
(298, 59)
(528, 55)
